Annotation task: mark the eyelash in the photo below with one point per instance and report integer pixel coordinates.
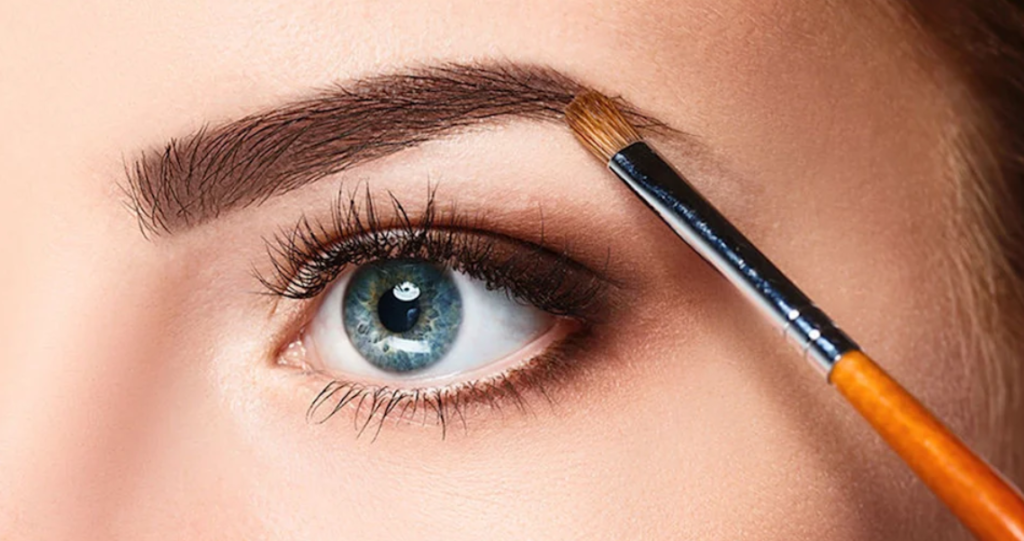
(307, 259)
(375, 405)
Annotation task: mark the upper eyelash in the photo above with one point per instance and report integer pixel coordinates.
(307, 259)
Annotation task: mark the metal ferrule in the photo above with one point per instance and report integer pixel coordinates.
(705, 229)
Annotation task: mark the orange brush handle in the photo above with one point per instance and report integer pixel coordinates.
(986, 503)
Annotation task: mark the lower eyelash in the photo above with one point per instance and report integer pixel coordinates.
(371, 406)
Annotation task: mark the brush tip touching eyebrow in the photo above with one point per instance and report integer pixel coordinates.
(598, 124)
(196, 178)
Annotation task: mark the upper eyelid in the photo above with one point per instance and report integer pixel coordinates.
(313, 240)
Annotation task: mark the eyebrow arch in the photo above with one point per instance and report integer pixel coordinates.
(195, 179)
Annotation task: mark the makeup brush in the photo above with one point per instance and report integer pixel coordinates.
(983, 500)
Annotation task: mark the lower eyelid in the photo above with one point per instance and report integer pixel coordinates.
(530, 371)
(558, 332)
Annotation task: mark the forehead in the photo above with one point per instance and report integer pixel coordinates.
(165, 63)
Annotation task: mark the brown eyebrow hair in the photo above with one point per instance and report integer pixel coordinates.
(195, 179)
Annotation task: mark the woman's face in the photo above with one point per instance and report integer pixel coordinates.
(147, 385)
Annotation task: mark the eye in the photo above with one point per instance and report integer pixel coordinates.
(438, 313)
(412, 321)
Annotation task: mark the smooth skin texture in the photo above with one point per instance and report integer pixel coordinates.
(138, 383)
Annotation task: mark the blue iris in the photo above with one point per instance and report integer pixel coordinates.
(402, 315)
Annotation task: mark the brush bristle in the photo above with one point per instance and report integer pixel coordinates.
(599, 125)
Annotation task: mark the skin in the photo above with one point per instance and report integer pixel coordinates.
(139, 386)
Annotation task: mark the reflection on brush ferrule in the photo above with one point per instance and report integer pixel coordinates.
(708, 232)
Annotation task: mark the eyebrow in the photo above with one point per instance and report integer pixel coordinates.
(192, 180)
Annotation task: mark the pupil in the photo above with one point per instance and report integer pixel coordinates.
(397, 315)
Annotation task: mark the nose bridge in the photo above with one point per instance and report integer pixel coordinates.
(76, 368)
